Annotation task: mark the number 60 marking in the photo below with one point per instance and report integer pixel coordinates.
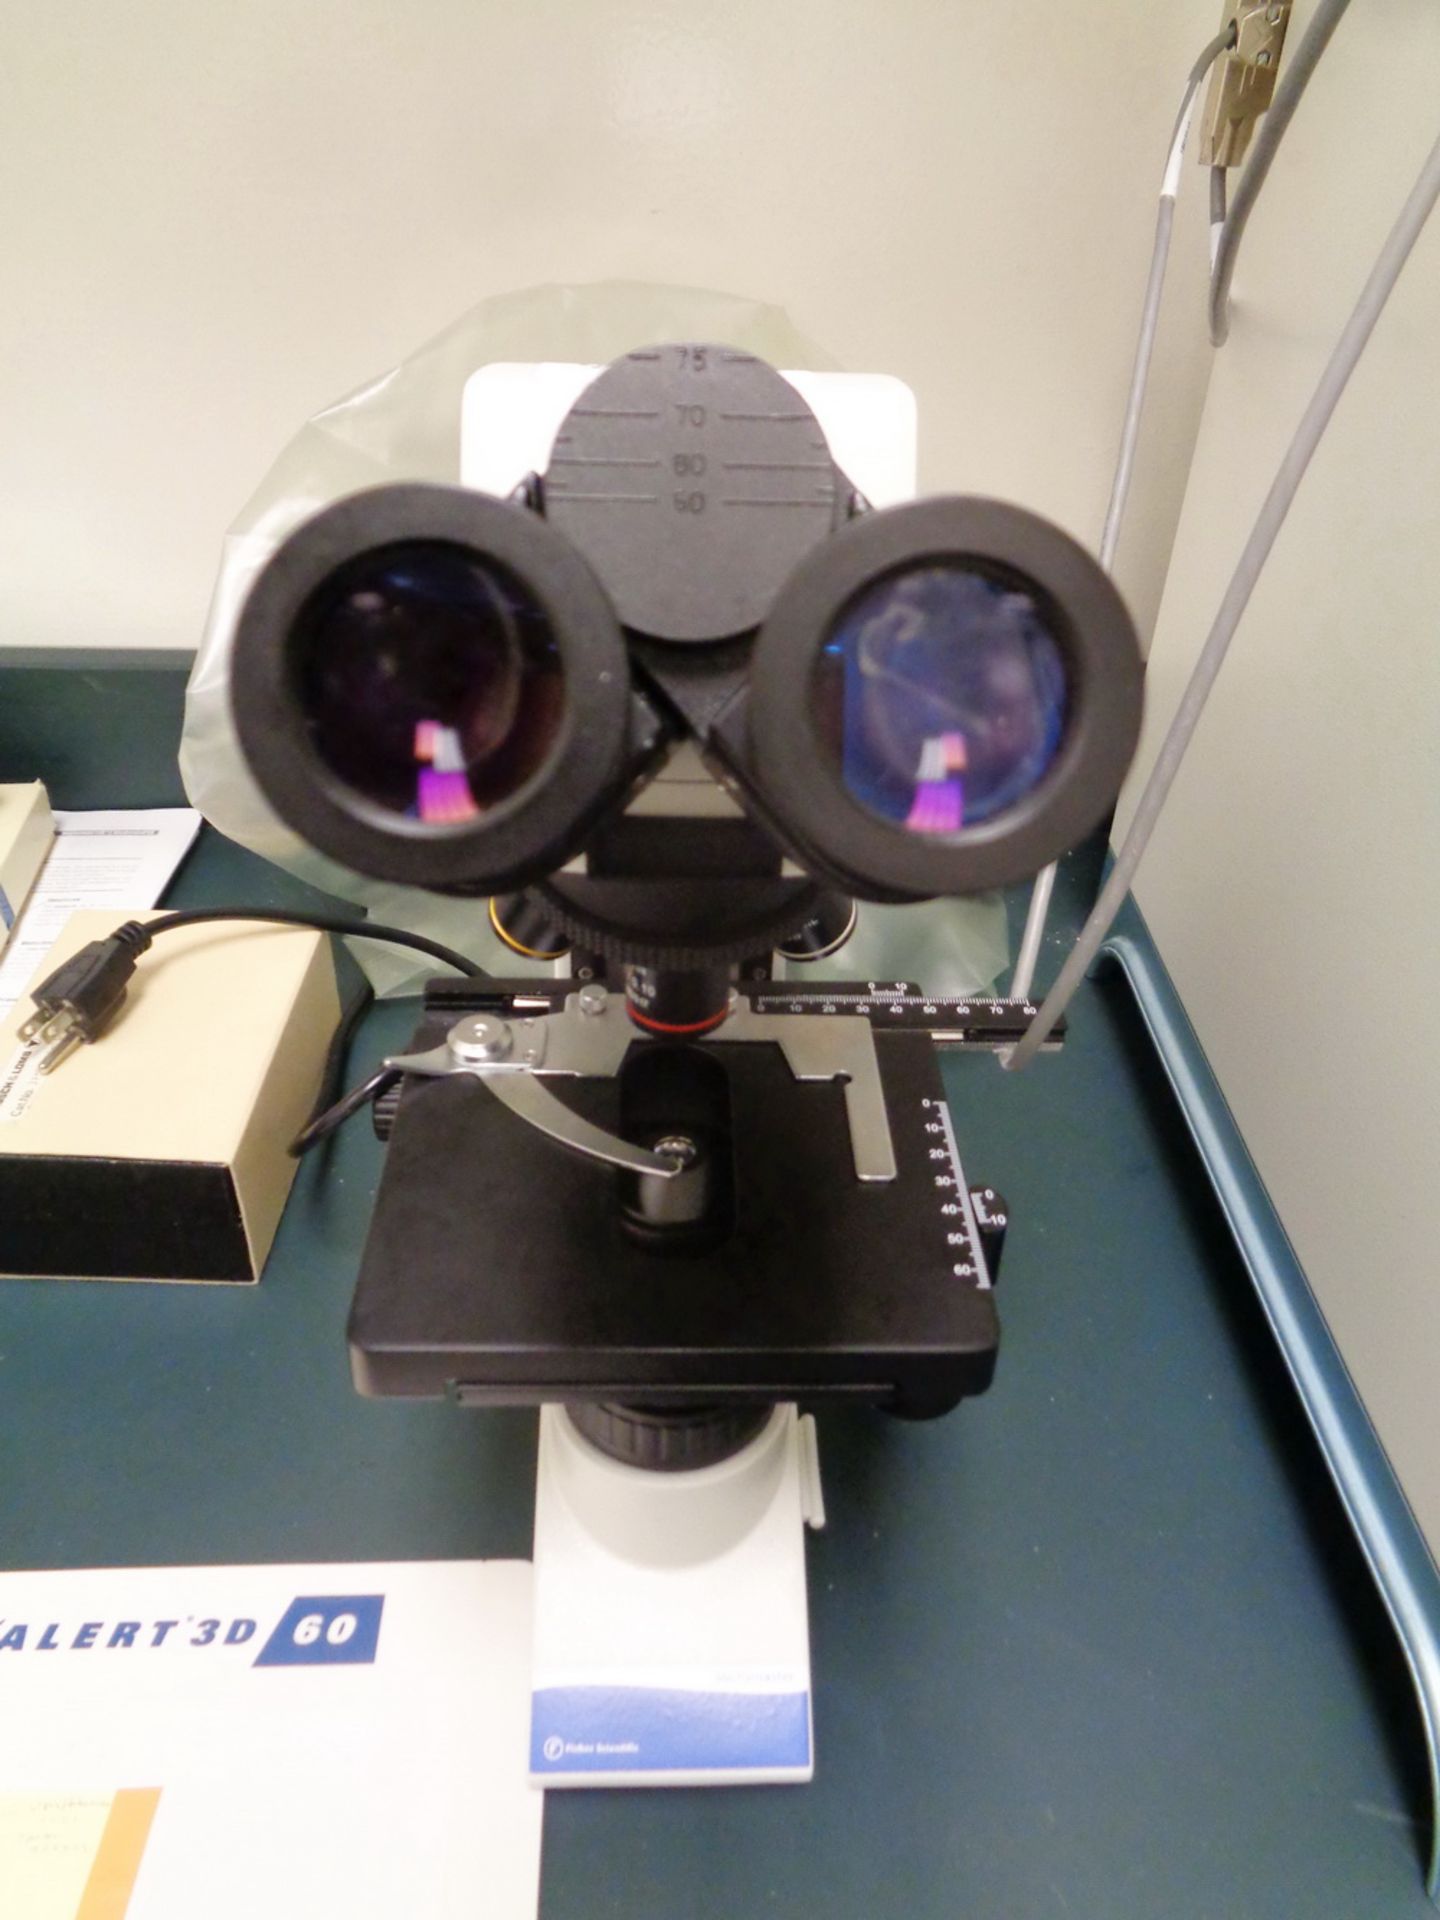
(309, 1630)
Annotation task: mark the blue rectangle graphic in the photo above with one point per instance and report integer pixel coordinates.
(325, 1630)
(666, 1730)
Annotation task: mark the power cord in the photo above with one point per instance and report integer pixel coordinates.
(327, 1117)
(1218, 189)
(1342, 363)
(75, 1003)
(320, 1123)
(1226, 231)
(1024, 975)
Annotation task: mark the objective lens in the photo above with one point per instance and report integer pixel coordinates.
(941, 696)
(430, 680)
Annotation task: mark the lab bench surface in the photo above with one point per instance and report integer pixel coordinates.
(1100, 1644)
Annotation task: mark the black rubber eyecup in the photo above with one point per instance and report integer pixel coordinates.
(534, 829)
(798, 777)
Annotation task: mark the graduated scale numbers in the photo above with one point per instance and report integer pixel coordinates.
(951, 1020)
(973, 1218)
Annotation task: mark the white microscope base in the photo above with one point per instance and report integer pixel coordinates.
(672, 1637)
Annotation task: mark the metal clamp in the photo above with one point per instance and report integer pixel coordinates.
(589, 1037)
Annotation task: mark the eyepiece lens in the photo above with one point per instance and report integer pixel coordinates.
(430, 680)
(941, 695)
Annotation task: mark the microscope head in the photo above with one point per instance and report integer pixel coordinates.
(684, 690)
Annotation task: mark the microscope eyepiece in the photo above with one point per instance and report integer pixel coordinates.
(944, 698)
(431, 681)
(941, 696)
(431, 687)
(445, 689)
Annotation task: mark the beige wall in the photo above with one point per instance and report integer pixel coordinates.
(216, 219)
(1294, 885)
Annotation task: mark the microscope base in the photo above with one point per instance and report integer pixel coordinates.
(672, 1638)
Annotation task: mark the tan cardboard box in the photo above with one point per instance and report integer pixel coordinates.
(158, 1152)
(26, 834)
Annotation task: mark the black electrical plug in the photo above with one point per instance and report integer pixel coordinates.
(81, 997)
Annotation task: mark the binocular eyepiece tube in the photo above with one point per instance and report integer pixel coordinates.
(443, 688)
